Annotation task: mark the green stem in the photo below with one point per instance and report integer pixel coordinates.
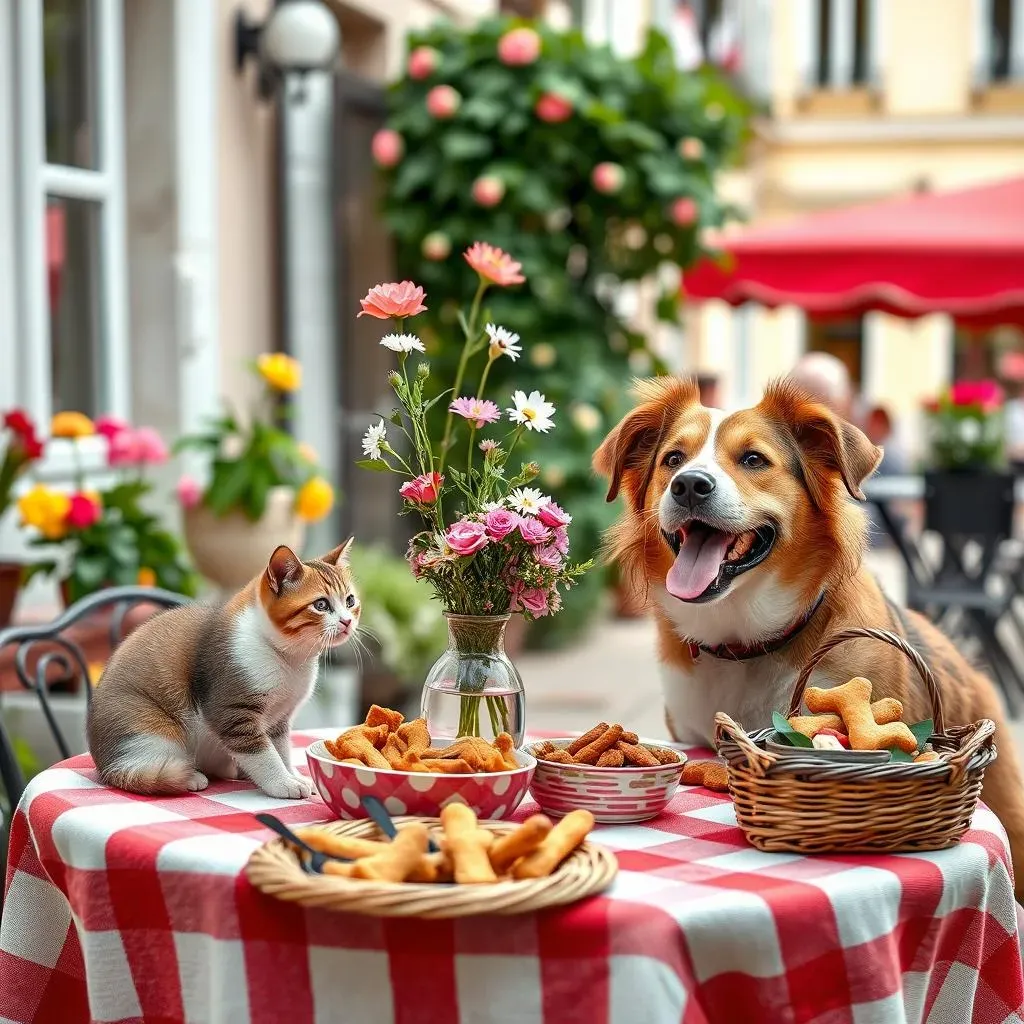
(461, 372)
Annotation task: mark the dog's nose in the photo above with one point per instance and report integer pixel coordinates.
(692, 487)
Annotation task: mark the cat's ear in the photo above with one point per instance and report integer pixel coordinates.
(283, 569)
(339, 554)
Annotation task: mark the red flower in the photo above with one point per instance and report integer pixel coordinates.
(19, 421)
(26, 443)
(986, 393)
(393, 299)
(553, 108)
(423, 490)
(85, 510)
(493, 264)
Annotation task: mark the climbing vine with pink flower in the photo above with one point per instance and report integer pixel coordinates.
(492, 544)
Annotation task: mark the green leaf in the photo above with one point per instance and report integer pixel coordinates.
(895, 754)
(377, 465)
(923, 732)
(90, 572)
(458, 145)
(229, 480)
(788, 733)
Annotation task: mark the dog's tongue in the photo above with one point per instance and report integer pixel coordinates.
(697, 564)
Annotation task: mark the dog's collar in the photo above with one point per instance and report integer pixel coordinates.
(742, 652)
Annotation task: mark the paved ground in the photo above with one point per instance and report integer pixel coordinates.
(612, 676)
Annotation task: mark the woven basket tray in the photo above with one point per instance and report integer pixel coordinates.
(274, 869)
(803, 804)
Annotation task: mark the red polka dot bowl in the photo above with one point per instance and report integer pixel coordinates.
(616, 796)
(491, 795)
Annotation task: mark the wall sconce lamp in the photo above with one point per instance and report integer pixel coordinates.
(297, 37)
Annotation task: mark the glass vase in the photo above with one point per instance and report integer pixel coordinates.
(474, 689)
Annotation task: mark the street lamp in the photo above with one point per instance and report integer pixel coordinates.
(298, 36)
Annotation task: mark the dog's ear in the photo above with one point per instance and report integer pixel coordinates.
(633, 443)
(827, 442)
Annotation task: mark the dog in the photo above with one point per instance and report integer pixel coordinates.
(740, 533)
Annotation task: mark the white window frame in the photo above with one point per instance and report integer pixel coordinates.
(27, 349)
(982, 44)
(841, 44)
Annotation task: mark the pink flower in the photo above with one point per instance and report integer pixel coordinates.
(551, 515)
(436, 246)
(443, 101)
(500, 522)
(533, 531)
(532, 600)
(488, 190)
(519, 47)
(691, 148)
(84, 511)
(479, 411)
(384, 301)
(108, 426)
(986, 393)
(493, 264)
(487, 445)
(608, 178)
(416, 564)
(548, 555)
(151, 447)
(189, 492)
(423, 490)
(387, 147)
(683, 212)
(466, 537)
(553, 108)
(422, 62)
(123, 449)
(562, 539)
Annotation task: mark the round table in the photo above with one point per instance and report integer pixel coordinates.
(125, 908)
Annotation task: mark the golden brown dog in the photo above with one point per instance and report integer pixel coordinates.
(740, 532)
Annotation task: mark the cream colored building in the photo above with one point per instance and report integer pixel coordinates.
(870, 99)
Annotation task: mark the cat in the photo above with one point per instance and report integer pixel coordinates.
(204, 690)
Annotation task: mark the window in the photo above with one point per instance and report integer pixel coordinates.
(840, 46)
(992, 353)
(999, 40)
(843, 339)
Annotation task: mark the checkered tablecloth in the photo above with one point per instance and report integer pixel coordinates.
(123, 908)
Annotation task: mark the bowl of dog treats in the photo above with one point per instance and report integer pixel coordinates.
(397, 762)
(609, 771)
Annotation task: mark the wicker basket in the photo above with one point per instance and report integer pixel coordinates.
(801, 804)
(274, 869)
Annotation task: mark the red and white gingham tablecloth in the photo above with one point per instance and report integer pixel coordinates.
(123, 908)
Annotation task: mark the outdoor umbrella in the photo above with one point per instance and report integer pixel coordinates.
(960, 253)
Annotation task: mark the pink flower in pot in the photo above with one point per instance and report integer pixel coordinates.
(466, 537)
(189, 492)
(442, 102)
(423, 490)
(500, 522)
(519, 47)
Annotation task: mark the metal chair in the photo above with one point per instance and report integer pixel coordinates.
(45, 657)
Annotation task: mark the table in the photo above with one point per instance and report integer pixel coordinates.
(144, 899)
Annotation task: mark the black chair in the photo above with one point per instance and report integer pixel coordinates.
(45, 658)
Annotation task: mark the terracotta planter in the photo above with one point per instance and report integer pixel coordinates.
(10, 583)
(230, 550)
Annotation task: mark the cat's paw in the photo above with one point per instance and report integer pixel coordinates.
(198, 782)
(289, 787)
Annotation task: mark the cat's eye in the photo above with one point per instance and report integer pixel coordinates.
(753, 460)
(350, 601)
(673, 459)
(321, 604)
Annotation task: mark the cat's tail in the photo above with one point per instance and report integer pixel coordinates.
(151, 765)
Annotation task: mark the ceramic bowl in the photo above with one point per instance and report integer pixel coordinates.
(491, 795)
(834, 756)
(612, 795)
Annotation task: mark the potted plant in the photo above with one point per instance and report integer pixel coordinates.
(21, 448)
(106, 536)
(263, 485)
(967, 489)
(490, 546)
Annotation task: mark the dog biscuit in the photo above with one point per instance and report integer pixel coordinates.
(384, 716)
(465, 845)
(613, 758)
(507, 849)
(639, 756)
(852, 702)
(560, 842)
(414, 734)
(710, 774)
(587, 738)
(593, 750)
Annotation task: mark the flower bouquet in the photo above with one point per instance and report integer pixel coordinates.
(965, 426)
(491, 544)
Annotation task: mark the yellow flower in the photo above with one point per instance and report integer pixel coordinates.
(308, 452)
(95, 672)
(315, 499)
(71, 425)
(146, 577)
(46, 510)
(281, 372)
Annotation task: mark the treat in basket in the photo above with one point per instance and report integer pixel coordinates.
(607, 746)
(386, 740)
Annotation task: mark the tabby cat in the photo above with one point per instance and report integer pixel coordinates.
(211, 690)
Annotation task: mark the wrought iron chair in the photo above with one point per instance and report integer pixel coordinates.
(45, 657)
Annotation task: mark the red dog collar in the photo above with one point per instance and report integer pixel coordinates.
(742, 652)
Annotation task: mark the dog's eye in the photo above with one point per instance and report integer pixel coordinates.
(321, 604)
(673, 459)
(350, 601)
(753, 460)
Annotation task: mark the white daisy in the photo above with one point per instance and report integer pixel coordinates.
(503, 342)
(492, 506)
(527, 501)
(374, 437)
(533, 411)
(402, 343)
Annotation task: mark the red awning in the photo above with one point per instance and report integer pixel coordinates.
(960, 253)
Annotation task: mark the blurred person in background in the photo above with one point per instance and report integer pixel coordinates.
(880, 429)
(710, 391)
(826, 379)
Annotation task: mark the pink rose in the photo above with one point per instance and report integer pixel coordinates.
(466, 538)
(608, 178)
(500, 522)
(108, 426)
(548, 555)
(519, 47)
(553, 108)
(151, 447)
(684, 212)
(416, 564)
(488, 190)
(562, 539)
(189, 492)
(535, 601)
(123, 449)
(387, 147)
(436, 246)
(422, 62)
(533, 531)
(551, 515)
(423, 490)
(84, 511)
(442, 102)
